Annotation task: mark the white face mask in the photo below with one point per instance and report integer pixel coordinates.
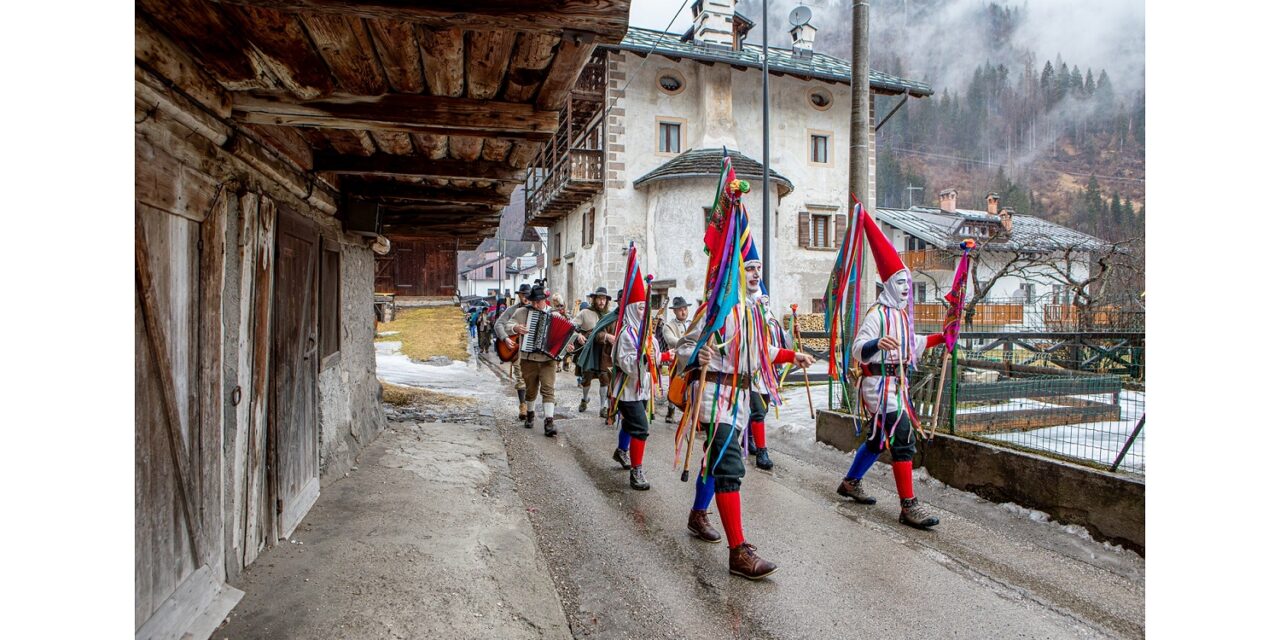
(753, 278)
(897, 291)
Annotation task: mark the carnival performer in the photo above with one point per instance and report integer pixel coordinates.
(499, 328)
(887, 346)
(738, 358)
(760, 402)
(672, 331)
(585, 322)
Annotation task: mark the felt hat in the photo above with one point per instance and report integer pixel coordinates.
(536, 293)
(678, 303)
(524, 288)
(600, 291)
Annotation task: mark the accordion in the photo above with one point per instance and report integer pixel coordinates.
(549, 334)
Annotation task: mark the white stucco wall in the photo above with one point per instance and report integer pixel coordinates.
(664, 218)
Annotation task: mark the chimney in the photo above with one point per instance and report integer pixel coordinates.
(713, 22)
(802, 36)
(947, 200)
(993, 203)
(1006, 219)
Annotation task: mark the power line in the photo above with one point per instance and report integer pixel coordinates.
(647, 56)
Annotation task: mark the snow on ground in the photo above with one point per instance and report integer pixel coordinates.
(1097, 441)
(455, 376)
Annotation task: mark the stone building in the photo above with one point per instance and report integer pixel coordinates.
(639, 154)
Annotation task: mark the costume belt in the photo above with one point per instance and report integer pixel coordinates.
(742, 383)
(883, 369)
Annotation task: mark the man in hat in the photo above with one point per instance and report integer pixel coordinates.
(887, 347)
(585, 323)
(538, 369)
(672, 331)
(499, 328)
(735, 362)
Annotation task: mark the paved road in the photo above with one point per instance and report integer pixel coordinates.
(625, 567)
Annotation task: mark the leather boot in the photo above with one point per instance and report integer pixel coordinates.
(582, 406)
(914, 515)
(622, 457)
(751, 443)
(521, 399)
(700, 526)
(638, 481)
(763, 462)
(548, 427)
(744, 562)
(854, 489)
(528, 419)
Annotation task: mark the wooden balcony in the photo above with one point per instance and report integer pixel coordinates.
(928, 260)
(569, 168)
(985, 315)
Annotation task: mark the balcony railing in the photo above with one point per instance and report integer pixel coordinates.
(569, 168)
(928, 260)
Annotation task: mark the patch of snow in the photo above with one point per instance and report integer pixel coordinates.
(456, 377)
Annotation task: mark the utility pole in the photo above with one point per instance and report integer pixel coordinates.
(911, 200)
(860, 123)
(767, 240)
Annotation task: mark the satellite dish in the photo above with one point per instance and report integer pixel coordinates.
(800, 15)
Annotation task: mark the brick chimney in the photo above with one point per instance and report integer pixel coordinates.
(947, 200)
(993, 203)
(802, 36)
(1006, 219)
(713, 22)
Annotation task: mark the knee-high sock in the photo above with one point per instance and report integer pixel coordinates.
(730, 508)
(624, 438)
(757, 433)
(637, 452)
(586, 388)
(548, 409)
(604, 393)
(862, 461)
(902, 477)
(706, 488)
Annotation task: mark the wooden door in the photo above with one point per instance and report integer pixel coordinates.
(294, 445)
(410, 265)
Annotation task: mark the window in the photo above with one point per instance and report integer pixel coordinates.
(819, 305)
(488, 272)
(588, 226)
(1028, 291)
(668, 137)
(330, 305)
(818, 149)
(922, 290)
(821, 230)
(820, 99)
(555, 247)
(1058, 295)
(670, 82)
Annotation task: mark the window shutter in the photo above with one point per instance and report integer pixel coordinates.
(841, 223)
(804, 228)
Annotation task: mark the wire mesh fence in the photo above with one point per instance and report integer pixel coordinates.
(1078, 397)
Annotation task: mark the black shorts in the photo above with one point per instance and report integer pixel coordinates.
(759, 406)
(635, 418)
(904, 438)
(729, 470)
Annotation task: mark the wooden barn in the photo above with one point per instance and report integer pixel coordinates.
(261, 125)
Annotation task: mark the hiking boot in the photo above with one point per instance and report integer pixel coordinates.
(751, 446)
(914, 515)
(854, 489)
(638, 481)
(604, 412)
(671, 413)
(763, 462)
(582, 406)
(700, 525)
(744, 562)
(548, 427)
(622, 457)
(528, 420)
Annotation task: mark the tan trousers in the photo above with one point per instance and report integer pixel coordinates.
(515, 371)
(539, 377)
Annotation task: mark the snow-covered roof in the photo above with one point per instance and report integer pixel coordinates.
(945, 230)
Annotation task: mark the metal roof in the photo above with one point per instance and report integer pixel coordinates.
(701, 163)
(1030, 233)
(817, 65)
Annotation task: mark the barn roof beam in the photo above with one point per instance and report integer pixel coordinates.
(383, 164)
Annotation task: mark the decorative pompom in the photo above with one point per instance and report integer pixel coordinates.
(740, 186)
(968, 243)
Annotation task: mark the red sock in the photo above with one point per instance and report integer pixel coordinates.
(757, 433)
(637, 451)
(730, 508)
(902, 476)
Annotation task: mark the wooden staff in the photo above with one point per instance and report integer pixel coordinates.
(795, 331)
(937, 402)
(693, 425)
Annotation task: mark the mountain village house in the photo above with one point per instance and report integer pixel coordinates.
(639, 151)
